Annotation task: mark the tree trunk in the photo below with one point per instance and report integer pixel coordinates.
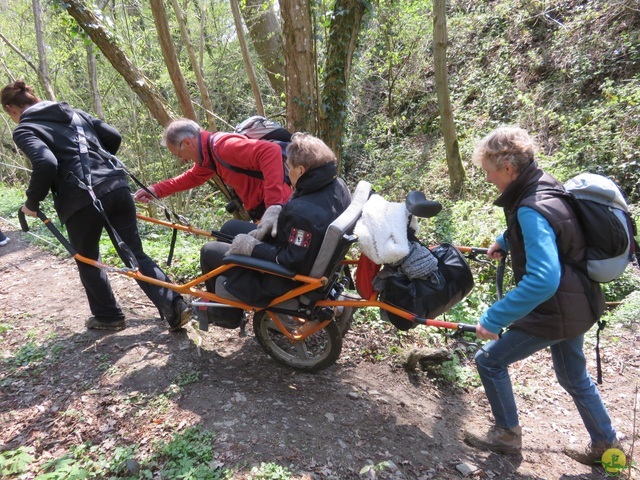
(43, 66)
(171, 59)
(105, 40)
(92, 68)
(266, 36)
(197, 67)
(245, 56)
(343, 36)
(300, 66)
(456, 170)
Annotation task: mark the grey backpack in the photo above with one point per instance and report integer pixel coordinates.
(606, 223)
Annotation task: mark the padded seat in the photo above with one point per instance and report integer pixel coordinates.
(341, 226)
(334, 245)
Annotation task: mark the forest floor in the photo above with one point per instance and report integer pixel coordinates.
(62, 385)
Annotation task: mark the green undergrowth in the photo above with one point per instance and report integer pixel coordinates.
(188, 455)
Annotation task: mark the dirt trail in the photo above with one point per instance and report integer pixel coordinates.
(115, 389)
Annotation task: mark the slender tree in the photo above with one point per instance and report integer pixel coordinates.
(171, 59)
(235, 9)
(43, 66)
(266, 37)
(456, 170)
(96, 98)
(92, 68)
(196, 66)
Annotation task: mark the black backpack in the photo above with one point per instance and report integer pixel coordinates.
(423, 297)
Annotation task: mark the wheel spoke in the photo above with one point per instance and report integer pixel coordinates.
(315, 352)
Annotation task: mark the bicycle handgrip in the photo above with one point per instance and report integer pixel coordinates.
(465, 327)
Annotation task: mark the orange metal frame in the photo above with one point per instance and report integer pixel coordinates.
(308, 284)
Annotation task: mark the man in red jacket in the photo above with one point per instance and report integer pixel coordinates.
(230, 156)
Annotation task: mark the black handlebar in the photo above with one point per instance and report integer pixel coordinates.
(56, 233)
(23, 221)
(465, 327)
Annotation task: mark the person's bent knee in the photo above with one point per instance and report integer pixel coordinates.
(211, 255)
(485, 363)
(235, 227)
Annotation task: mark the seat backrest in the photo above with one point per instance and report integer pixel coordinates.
(341, 226)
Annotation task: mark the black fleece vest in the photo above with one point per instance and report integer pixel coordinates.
(570, 311)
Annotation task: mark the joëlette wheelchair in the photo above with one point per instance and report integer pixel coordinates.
(304, 327)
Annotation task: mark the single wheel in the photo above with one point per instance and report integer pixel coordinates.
(316, 352)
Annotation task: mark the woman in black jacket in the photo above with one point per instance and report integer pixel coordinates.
(290, 235)
(50, 134)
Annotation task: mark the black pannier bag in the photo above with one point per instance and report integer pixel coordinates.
(424, 297)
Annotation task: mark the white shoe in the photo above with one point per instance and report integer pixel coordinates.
(5, 241)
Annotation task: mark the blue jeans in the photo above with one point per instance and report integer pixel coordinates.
(569, 365)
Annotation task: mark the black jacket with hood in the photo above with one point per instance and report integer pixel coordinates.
(47, 135)
(320, 197)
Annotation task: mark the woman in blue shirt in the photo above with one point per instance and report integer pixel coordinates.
(552, 305)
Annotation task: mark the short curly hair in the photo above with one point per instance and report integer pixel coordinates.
(308, 151)
(506, 145)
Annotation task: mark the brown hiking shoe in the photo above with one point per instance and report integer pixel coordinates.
(497, 439)
(592, 454)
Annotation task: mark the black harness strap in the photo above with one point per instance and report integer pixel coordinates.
(83, 149)
(115, 161)
(251, 173)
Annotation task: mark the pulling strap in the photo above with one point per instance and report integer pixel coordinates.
(129, 257)
(168, 213)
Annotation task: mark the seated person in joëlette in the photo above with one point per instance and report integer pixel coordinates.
(290, 234)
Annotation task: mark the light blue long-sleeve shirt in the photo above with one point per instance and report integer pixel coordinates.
(542, 276)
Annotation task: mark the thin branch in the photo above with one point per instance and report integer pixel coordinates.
(17, 50)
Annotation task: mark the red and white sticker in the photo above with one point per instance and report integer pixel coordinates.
(300, 238)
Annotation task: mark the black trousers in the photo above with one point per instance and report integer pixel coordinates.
(212, 253)
(84, 229)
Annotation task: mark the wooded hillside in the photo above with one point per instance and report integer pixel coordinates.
(567, 71)
(365, 76)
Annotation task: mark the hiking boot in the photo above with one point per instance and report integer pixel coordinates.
(180, 316)
(592, 453)
(115, 324)
(497, 439)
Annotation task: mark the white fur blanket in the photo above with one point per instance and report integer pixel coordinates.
(382, 230)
